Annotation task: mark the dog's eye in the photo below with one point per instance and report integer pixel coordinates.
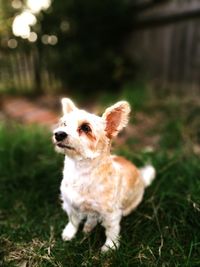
(85, 128)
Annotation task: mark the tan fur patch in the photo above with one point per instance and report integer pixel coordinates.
(132, 184)
(116, 118)
(113, 120)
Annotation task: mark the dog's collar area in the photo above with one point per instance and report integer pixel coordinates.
(65, 146)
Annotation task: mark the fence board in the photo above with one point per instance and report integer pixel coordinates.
(169, 12)
(170, 53)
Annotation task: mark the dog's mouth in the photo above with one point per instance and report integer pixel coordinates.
(65, 146)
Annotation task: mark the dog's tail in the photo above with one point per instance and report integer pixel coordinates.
(148, 174)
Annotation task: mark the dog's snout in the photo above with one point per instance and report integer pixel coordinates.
(60, 136)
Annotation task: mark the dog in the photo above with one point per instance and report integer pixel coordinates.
(97, 186)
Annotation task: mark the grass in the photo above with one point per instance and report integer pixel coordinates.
(135, 93)
(163, 231)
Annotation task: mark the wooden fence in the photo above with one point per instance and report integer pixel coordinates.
(21, 72)
(166, 43)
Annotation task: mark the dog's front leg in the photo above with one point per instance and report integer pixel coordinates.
(71, 228)
(111, 223)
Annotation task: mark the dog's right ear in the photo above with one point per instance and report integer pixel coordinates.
(67, 105)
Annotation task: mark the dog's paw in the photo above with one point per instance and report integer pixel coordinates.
(69, 232)
(110, 245)
(66, 236)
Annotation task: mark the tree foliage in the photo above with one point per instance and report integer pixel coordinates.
(89, 53)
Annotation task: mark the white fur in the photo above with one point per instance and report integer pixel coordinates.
(148, 174)
(69, 232)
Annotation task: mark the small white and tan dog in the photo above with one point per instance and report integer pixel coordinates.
(96, 185)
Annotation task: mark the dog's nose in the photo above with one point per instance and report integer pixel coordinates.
(60, 136)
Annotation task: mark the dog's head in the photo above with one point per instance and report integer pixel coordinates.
(84, 135)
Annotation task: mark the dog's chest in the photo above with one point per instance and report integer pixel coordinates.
(77, 188)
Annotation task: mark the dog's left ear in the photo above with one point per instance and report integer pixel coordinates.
(116, 118)
(67, 105)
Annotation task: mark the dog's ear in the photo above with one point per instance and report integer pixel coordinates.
(67, 105)
(116, 118)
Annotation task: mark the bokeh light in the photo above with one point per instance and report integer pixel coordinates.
(12, 43)
(16, 4)
(21, 24)
(49, 39)
(32, 37)
(37, 5)
(64, 26)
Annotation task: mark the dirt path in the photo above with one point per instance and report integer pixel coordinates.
(28, 112)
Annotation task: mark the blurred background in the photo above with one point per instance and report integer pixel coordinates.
(78, 47)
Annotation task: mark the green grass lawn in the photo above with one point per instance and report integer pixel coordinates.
(163, 231)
